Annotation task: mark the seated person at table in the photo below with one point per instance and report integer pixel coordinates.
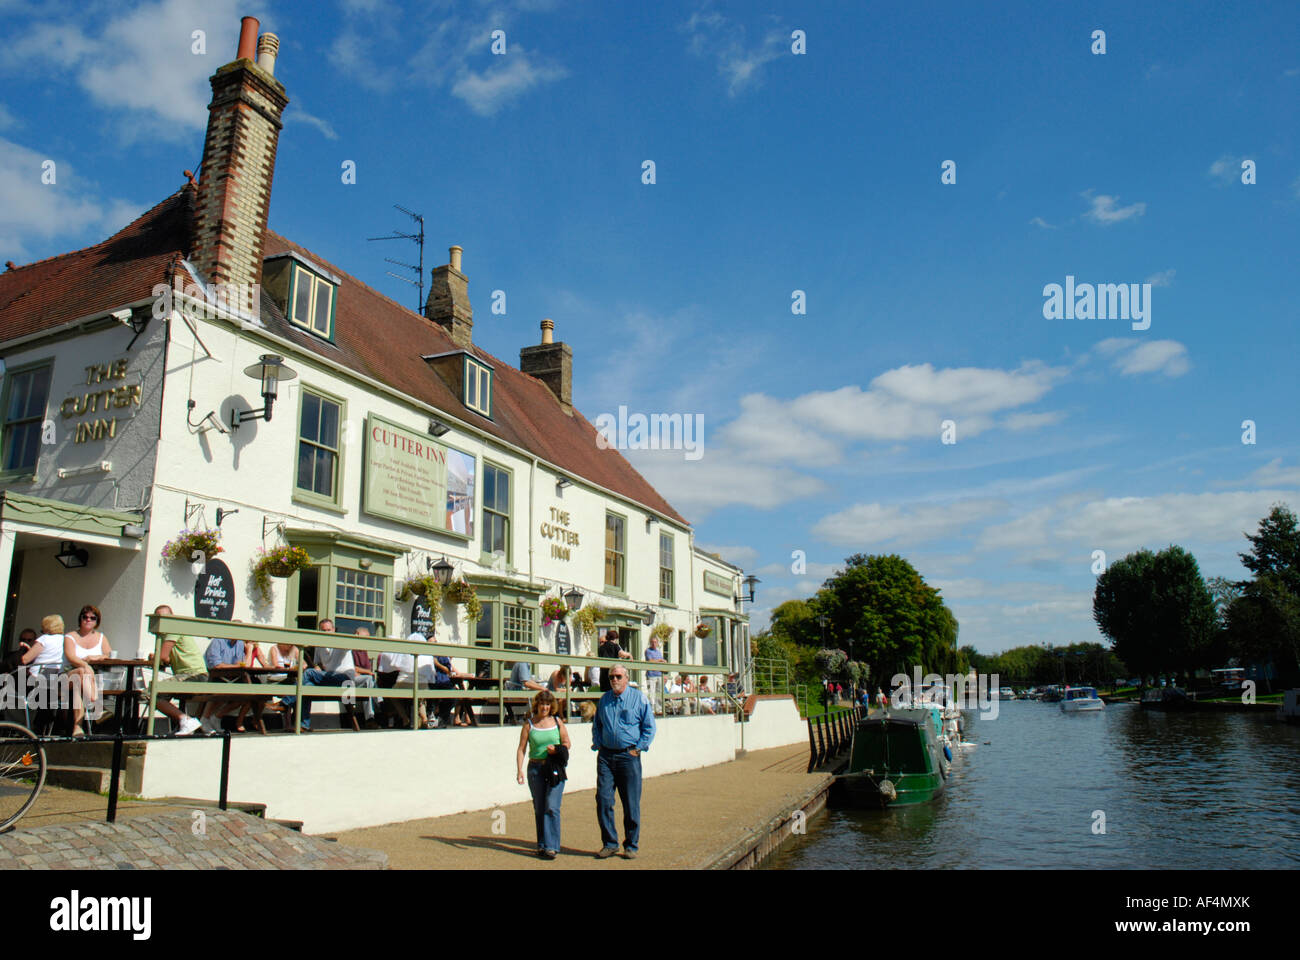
(184, 657)
(403, 665)
(365, 677)
(556, 684)
(223, 656)
(442, 681)
(43, 653)
(81, 648)
(521, 678)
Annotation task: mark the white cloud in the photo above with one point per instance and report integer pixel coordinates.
(1165, 278)
(1275, 475)
(7, 119)
(743, 557)
(30, 209)
(1040, 222)
(1227, 169)
(1103, 209)
(140, 61)
(739, 62)
(1134, 356)
(488, 90)
(870, 525)
(1032, 421)
(296, 114)
(697, 487)
(822, 571)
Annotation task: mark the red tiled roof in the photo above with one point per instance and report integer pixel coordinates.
(374, 336)
(122, 269)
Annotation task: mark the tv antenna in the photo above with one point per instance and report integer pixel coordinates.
(418, 282)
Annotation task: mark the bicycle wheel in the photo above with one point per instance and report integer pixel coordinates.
(22, 772)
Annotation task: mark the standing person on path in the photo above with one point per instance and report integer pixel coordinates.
(624, 728)
(545, 740)
(611, 648)
(654, 679)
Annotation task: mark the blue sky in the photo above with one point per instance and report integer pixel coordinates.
(778, 172)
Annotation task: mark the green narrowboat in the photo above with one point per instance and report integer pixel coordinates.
(894, 762)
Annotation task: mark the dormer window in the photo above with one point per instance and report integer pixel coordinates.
(478, 386)
(312, 299)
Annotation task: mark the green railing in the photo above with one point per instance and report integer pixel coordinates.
(770, 675)
(164, 686)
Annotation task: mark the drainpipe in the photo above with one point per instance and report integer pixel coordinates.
(532, 482)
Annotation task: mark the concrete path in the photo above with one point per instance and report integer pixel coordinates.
(688, 820)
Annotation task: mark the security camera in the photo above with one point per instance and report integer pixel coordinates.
(122, 317)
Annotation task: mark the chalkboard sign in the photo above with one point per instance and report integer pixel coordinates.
(214, 592)
(562, 639)
(421, 617)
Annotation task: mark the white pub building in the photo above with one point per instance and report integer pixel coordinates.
(198, 371)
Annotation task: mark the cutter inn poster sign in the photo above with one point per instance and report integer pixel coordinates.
(413, 479)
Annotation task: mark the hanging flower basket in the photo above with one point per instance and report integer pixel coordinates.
(427, 587)
(702, 630)
(587, 618)
(189, 542)
(662, 630)
(277, 562)
(553, 609)
(463, 592)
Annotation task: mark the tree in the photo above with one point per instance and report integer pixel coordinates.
(1156, 610)
(1262, 621)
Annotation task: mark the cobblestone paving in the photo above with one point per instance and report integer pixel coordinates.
(228, 841)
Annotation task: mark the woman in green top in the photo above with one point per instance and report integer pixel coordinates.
(543, 731)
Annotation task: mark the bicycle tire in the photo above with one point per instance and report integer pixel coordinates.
(20, 751)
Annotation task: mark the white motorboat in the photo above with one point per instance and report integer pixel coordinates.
(1080, 700)
(1006, 693)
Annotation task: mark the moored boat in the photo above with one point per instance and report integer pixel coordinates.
(1166, 698)
(1080, 700)
(895, 761)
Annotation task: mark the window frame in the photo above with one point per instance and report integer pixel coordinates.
(470, 373)
(310, 497)
(329, 558)
(611, 588)
(300, 270)
(486, 556)
(23, 474)
(671, 598)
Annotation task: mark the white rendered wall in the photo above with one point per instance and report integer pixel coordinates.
(774, 723)
(344, 780)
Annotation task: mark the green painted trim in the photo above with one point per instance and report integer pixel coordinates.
(491, 582)
(484, 463)
(609, 587)
(671, 599)
(469, 361)
(309, 497)
(297, 266)
(351, 541)
(55, 513)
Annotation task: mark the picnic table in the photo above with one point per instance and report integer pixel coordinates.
(134, 696)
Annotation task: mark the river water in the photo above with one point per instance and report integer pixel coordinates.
(1188, 791)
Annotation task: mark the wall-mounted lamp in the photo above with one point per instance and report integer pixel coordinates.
(561, 483)
(270, 370)
(222, 513)
(70, 555)
(750, 581)
(437, 428)
(649, 615)
(650, 522)
(573, 599)
(133, 530)
(442, 570)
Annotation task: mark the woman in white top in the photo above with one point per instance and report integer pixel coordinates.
(81, 648)
(46, 651)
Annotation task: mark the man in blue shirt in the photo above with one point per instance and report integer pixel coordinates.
(223, 656)
(654, 684)
(624, 728)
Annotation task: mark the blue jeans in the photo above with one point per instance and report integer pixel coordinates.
(314, 678)
(618, 769)
(546, 808)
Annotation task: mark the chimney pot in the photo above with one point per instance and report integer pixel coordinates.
(247, 38)
(267, 48)
(455, 253)
(547, 326)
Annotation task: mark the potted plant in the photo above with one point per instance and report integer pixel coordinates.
(427, 587)
(277, 562)
(553, 609)
(189, 542)
(702, 630)
(587, 618)
(463, 592)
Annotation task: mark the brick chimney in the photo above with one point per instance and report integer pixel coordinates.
(234, 193)
(448, 302)
(551, 363)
